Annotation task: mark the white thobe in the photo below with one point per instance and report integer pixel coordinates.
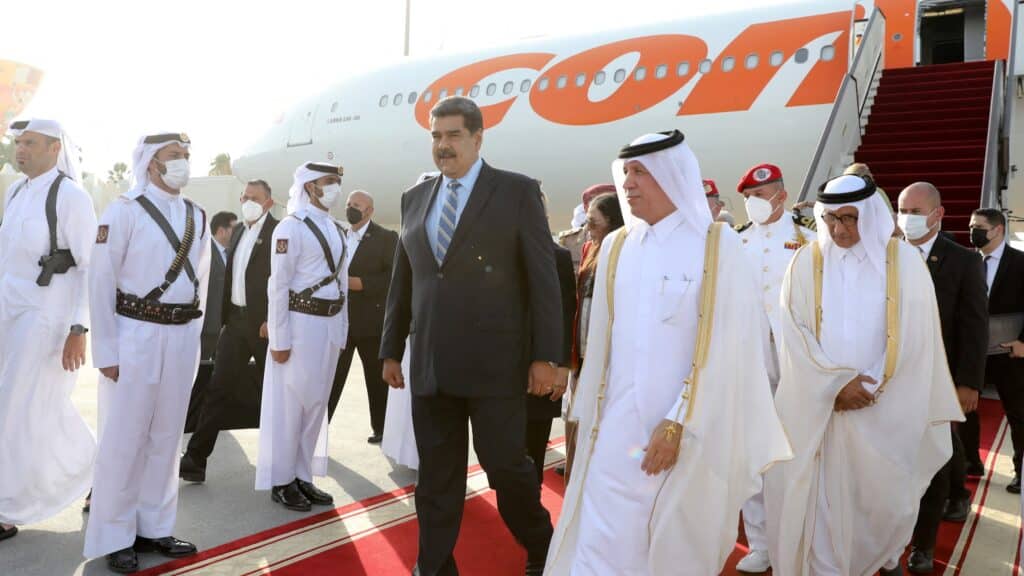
(135, 491)
(770, 248)
(616, 519)
(47, 447)
(399, 442)
(293, 416)
(847, 502)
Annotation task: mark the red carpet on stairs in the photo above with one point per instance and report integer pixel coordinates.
(931, 123)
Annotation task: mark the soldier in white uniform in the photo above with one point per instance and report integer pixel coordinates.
(770, 239)
(307, 320)
(45, 243)
(147, 287)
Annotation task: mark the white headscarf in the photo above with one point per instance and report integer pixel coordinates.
(67, 160)
(143, 155)
(874, 221)
(677, 172)
(298, 198)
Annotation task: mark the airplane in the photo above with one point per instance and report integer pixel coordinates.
(745, 87)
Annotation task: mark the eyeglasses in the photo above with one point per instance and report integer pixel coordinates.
(847, 220)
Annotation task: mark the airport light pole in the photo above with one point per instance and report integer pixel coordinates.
(408, 6)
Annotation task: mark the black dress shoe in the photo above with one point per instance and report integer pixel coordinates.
(169, 546)
(290, 497)
(956, 510)
(8, 533)
(314, 494)
(897, 571)
(375, 439)
(535, 568)
(190, 471)
(920, 561)
(1014, 487)
(123, 561)
(560, 470)
(976, 469)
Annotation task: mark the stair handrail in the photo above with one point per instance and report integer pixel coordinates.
(1010, 89)
(842, 132)
(990, 182)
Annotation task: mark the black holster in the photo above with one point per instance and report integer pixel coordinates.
(56, 262)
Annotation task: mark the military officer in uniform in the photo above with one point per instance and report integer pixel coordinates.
(147, 288)
(770, 239)
(576, 239)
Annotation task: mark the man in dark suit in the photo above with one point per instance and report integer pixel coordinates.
(474, 285)
(371, 253)
(1004, 273)
(959, 281)
(244, 333)
(221, 226)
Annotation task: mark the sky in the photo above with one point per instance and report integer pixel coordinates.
(223, 70)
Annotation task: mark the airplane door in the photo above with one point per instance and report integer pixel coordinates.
(300, 128)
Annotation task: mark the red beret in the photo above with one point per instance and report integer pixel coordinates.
(710, 189)
(758, 176)
(595, 191)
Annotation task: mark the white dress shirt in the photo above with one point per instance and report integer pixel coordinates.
(354, 237)
(992, 264)
(243, 253)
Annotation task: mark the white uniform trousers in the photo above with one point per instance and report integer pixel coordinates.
(293, 414)
(135, 489)
(754, 515)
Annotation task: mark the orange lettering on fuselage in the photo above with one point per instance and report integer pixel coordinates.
(659, 56)
(468, 76)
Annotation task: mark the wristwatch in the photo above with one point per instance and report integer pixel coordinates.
(78, 329)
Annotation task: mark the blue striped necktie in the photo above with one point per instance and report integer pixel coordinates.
(446, 226)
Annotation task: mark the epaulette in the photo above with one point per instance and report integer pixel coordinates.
(805, 221)
(570, 232)
(743, 227)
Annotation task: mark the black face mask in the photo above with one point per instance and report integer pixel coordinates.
(353, 215)
(979, 237)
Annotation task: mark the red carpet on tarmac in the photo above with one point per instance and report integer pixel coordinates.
(378, 536)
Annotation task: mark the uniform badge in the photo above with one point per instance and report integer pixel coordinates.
(792, 245)
(762, 174)
(102, 233)
(282, 246)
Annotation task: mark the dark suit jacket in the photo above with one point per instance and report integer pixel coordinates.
(257, 273)
(492, 306)
(1007, 294)
(540, 407)
(959, 278)
(212, 314)
(372, 264)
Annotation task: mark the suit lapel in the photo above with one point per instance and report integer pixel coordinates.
(262, 239)
(937, 256)
(1004, 264)
(356, 256)
(422, 217)
(478, 198)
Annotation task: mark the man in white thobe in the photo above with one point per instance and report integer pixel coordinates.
(307, 321)
(865, 395)
(674, 432)
(769, 239)
(147, 286)
(47, 449)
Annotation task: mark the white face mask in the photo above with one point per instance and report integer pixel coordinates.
(914, 226)
(176, 173)
(759, 209)
(251, 211)
(331, 194)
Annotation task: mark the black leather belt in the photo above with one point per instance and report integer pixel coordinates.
(131, 306)
(314, 306)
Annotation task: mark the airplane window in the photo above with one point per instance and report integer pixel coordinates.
(398, 99)
(776, 58)
(384, 100)
(427, 95)
(683, 69)
(801, 56)
(458, 91)
(728, 64)
(661, 71)
(543, 84)
(620, 75)
(443, 94)
(640, 74)
(412, 97)
(561, 82)
(581, 80)
(474, 91)
(524, 86)
(828, 53)
(705, 66)
(334, 108)
(752, 61)
(491, 89)
(507, 88)
(599, 78)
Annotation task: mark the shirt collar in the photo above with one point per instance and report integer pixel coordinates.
(998, 252)
(857, 251)
(258, 224)
(161, 194)
(775, 227)
(926, 248)
(663, 228)
(468, 179)
(47, 176)
(361, 232)
(316, 213)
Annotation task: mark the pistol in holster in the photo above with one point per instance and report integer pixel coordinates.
(56, 262)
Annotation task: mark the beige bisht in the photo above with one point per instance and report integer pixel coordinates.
(731, 434)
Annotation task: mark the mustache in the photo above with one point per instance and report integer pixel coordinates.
(446, 154)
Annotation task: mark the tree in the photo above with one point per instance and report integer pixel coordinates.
(118, 174)
(6, 152)
(221, 165)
